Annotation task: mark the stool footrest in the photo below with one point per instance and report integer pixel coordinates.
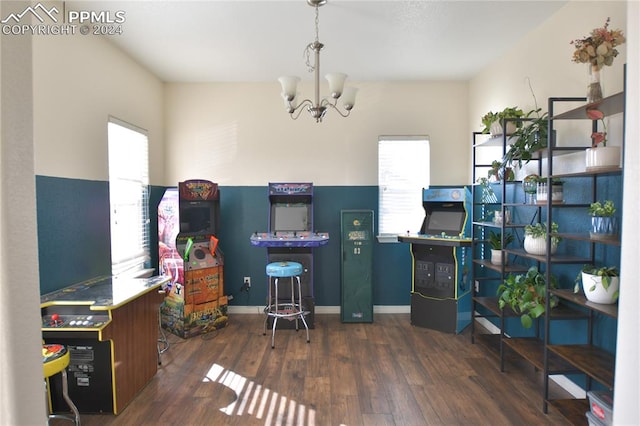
(285, 310)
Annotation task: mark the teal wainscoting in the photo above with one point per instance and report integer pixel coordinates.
(73, 231)
(73, 239)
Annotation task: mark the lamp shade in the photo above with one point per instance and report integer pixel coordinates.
(289, 85)
(349, 97)
(336, 83)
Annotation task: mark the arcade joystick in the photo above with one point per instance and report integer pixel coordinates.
(55, 320)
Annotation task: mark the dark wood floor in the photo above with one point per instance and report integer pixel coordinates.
(384, 373)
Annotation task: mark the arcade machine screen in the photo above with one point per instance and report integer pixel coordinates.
(291, 217)
(449, 222)
(197, 218)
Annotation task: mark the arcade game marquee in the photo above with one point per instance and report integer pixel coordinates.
(291, 237)
(441, 257)
(188, 221)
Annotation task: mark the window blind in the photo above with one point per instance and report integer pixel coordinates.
(403, 171)
(128, 197)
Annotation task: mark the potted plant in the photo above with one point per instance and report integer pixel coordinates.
(604, 224)
(600, 156)
(600, 285)
(488, 196)
(487, 121)
(527, 139)
(499, 171)
(493, 121)
(496, 243)
(535, 238)
(525, 294)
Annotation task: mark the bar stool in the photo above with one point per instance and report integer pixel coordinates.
(55, 359)
(293, 309)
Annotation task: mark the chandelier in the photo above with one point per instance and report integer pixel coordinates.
(318, 107)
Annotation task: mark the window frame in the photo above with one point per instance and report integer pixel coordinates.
(402, 174)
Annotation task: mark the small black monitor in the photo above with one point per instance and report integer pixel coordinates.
(449, 222)
(290, 217)
(198, 217)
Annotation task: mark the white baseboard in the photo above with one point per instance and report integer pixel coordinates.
(381, 309)
(569, 386)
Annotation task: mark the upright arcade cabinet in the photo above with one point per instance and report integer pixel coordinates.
(188, 222)
(441, 257)
(291, 237)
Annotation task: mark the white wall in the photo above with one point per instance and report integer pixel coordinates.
(544, 56)
(78, 82)
(21, 380)
(627, 401)
(240, 134)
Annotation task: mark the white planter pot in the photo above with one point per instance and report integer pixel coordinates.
(538, 246)
(496, 257)
(496, 128)
(596, 293)
(603, 157)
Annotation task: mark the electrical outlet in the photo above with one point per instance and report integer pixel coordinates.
(247, 281)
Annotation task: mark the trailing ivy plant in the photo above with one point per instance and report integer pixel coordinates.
(508, 113)
(528, 139)
(525, 295)
(488, 196)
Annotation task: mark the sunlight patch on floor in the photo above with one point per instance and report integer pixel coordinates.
(259, 402)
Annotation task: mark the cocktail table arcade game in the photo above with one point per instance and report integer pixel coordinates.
(110, 328)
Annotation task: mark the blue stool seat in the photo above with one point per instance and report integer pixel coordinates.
(284, 269)
(290, 308)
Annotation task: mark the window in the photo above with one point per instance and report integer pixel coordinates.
(403, 171)
(128, 197)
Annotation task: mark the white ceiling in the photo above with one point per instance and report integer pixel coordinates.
(383, 40)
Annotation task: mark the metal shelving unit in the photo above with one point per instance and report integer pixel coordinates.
(588, 359)
(549, 357)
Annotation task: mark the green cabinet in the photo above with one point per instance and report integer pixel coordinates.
(356, 230)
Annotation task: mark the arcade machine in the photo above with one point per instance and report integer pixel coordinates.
(110, 328)
(291, 237)
(441, 255)
(188, 221)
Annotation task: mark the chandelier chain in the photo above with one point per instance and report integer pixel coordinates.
(310, 47)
